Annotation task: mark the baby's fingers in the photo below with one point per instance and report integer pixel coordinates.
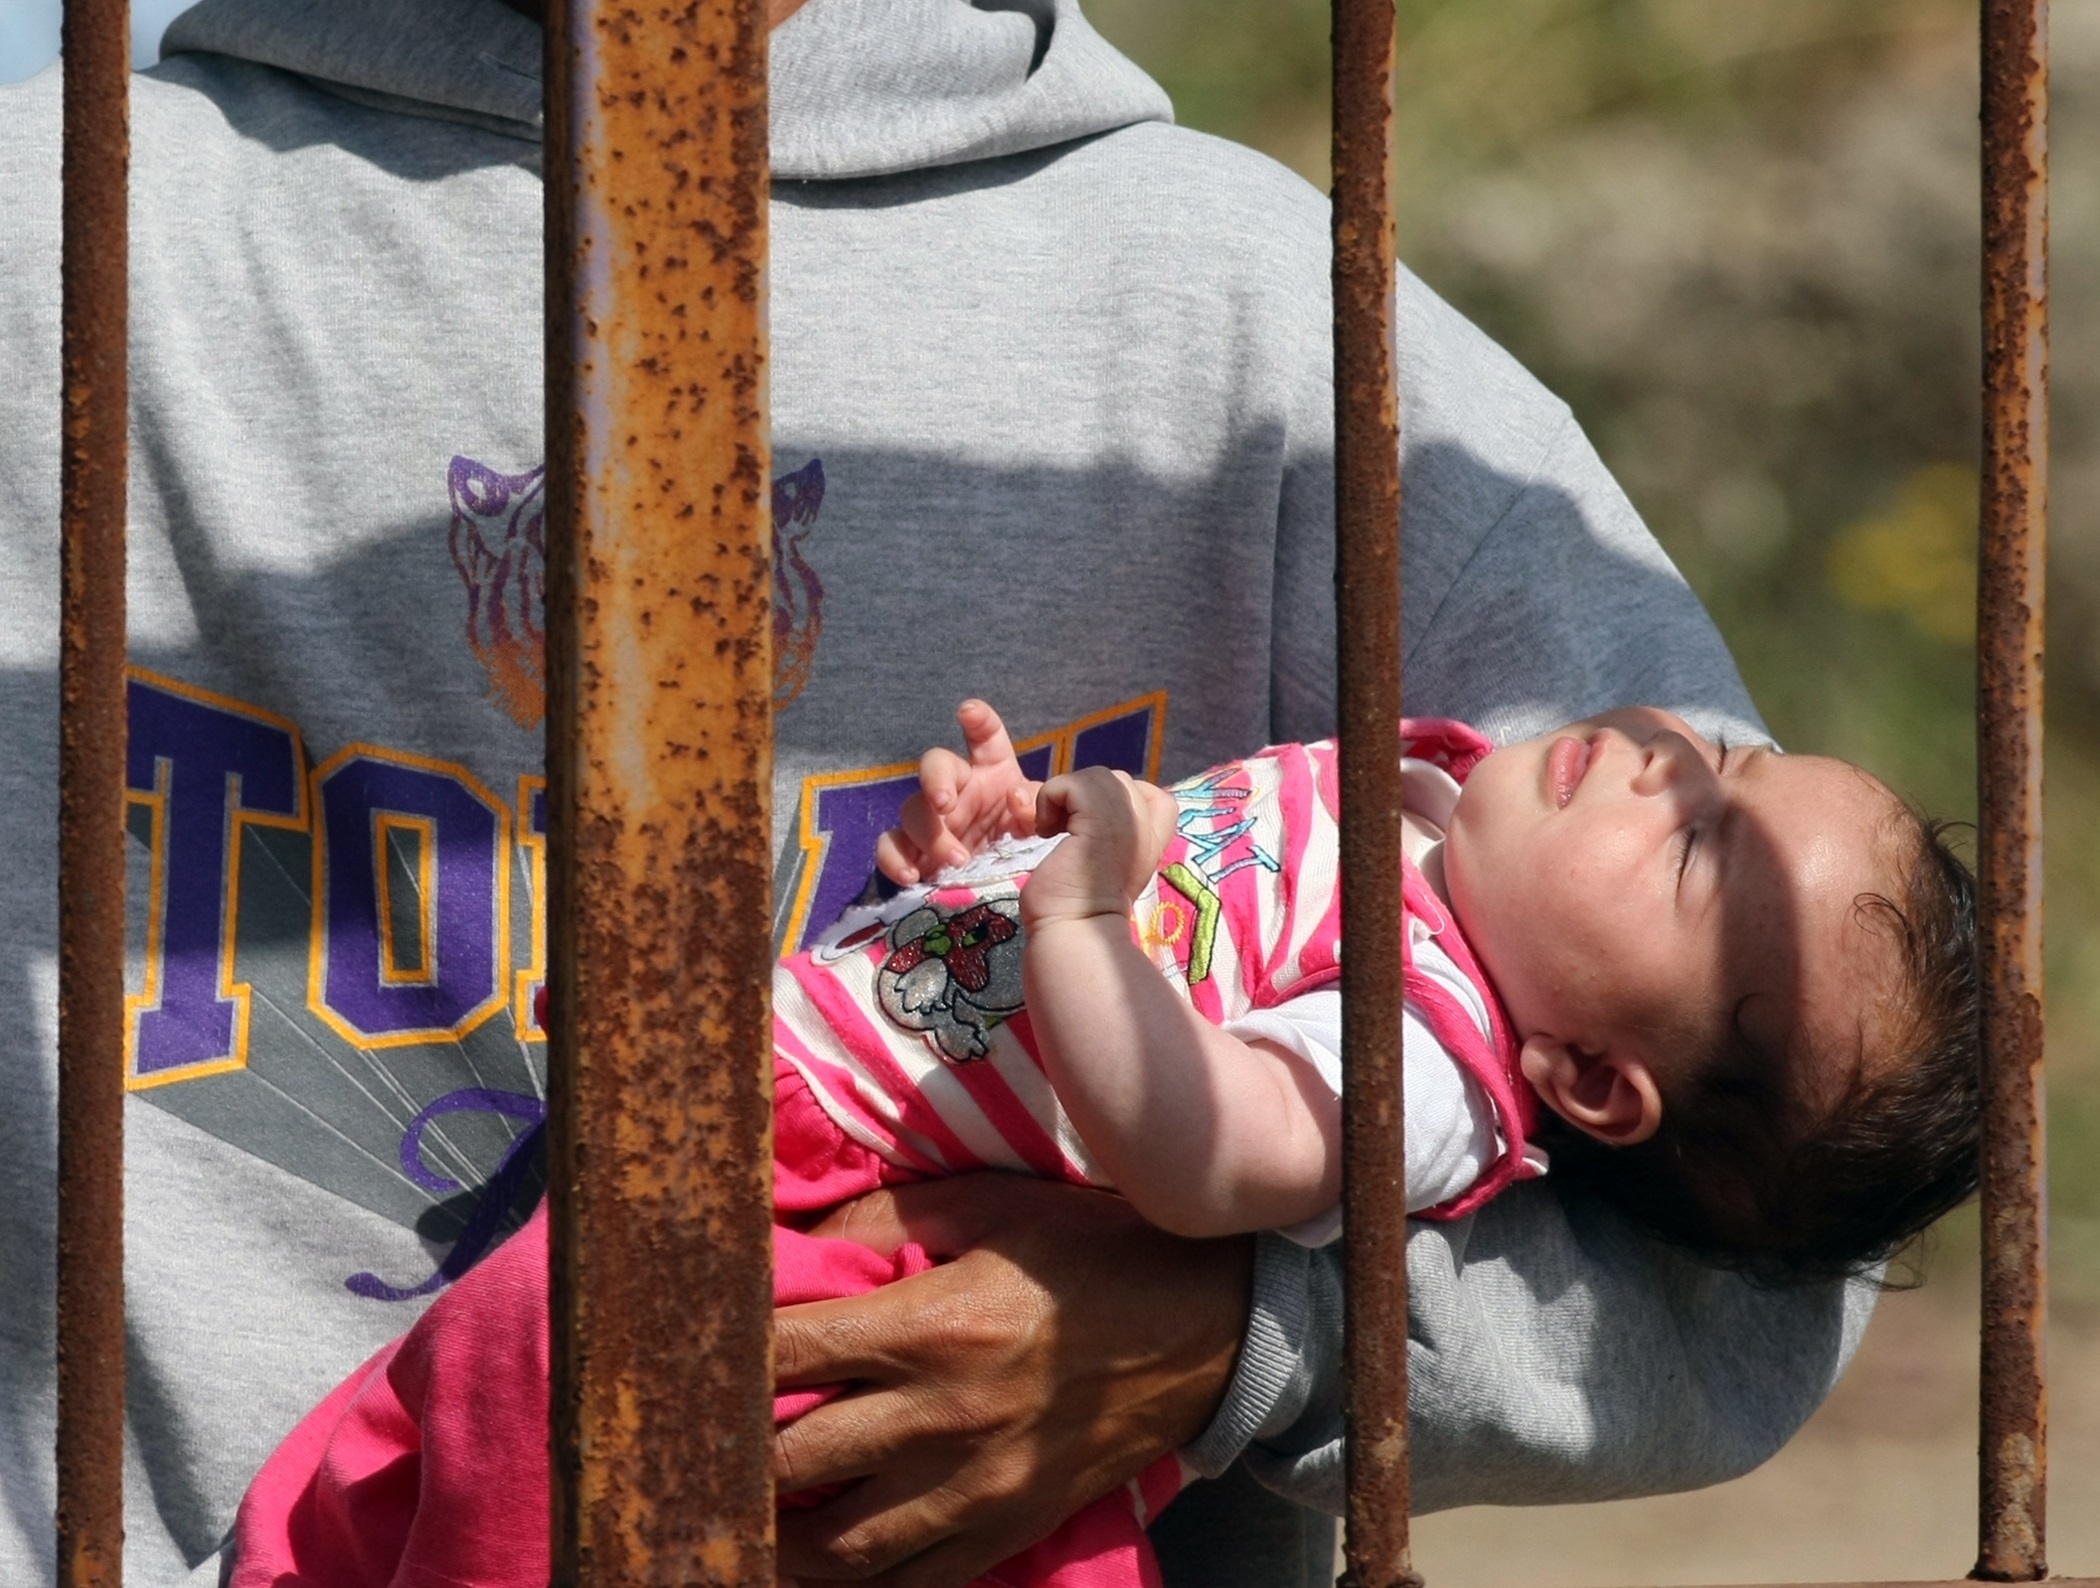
(926, 830)
(1157, 812)
(1093, 791)
(984, 733)
(1020, 809)
(1053, 806)
(942, 777)
(898, 858)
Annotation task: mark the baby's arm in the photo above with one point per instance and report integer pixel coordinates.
(1204, 1133)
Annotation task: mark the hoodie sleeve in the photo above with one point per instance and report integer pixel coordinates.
(1285, 1385)
(1554, 1355)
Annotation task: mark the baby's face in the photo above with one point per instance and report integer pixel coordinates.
(1631, 886)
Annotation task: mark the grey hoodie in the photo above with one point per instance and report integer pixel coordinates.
(1051, 406)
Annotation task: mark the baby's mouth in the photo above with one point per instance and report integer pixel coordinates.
(1566, 762)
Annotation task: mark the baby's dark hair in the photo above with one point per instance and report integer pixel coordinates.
(1743, 1175)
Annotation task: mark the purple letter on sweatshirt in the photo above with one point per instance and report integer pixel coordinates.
(412, 909)
(206, 767)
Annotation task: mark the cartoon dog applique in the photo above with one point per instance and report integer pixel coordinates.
(954, 972)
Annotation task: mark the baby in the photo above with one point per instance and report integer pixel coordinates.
(1741, 983)
(1733, 991)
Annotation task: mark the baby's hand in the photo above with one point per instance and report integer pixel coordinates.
(962, 805)
(1119, 828)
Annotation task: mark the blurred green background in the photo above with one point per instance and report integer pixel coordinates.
(1740, 238)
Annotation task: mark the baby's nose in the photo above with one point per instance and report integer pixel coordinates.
(1671, 761)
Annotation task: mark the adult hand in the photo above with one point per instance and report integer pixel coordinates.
(1067, 1346)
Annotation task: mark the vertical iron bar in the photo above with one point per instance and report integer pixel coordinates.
(96, 47)
(2012, 556)
(660, 772)
(1367, 597)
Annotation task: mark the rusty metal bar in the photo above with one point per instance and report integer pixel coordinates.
(2012, 553)
(1367, 597)
(660, 757)
(95, 167)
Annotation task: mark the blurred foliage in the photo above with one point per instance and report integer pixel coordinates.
(1478, 84)
(1740, 239)
(1918, 558)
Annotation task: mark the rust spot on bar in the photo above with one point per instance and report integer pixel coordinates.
(96, 163)
(1367, 595)
(2012, 555)
(660, 772)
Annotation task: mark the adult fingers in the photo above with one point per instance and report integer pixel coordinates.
(948, 1564)
(830, 1342)
(1010, 1387)
(914, 1327)
(872, 1528)
(957, 1560)
(937, 1518)
(946, 1217)
(877, 1535)
(855, 1435)
(935, 1320)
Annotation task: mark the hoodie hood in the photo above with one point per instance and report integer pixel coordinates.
(859, 87)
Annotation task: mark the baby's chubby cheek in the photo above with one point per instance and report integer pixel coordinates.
(1527, 911)
(1482, 895)
(1492, 860)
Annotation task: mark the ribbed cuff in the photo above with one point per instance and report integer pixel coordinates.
(1271, 1368)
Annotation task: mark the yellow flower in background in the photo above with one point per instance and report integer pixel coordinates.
(1918, 558)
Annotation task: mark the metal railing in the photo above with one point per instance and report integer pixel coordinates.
(2011, 553)
(95, 392)
(659, 782)
(1367, 614)
(659, 775)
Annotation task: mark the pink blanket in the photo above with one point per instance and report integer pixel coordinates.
(427, 1467)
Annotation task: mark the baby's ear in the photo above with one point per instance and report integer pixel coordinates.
(1611, 1096)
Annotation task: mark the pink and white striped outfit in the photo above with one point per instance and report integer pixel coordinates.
(907, 1026)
